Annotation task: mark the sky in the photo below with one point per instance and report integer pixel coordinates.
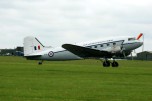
(55, 22)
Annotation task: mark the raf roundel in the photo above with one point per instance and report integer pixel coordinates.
(50, 54)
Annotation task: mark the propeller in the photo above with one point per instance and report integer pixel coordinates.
(124, 54)
(122, 51)
(139, 36)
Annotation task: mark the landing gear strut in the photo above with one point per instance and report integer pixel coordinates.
(107, 63)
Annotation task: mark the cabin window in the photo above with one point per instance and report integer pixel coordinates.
(108, 44)
(131, 39)
(101, 45)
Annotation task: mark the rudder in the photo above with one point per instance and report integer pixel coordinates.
(32, 45)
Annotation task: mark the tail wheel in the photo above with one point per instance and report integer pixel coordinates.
(40, 63)
(106, 64)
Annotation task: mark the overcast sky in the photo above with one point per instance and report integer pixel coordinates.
(55, 22)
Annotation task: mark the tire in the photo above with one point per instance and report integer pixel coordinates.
(106, 64)
(115, 64)
(39, 63)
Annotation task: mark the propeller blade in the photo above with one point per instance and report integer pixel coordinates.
(139, 36)
(124, 54)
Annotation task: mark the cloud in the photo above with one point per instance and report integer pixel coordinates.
(62, 21)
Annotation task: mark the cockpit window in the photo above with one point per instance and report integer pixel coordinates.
(131, 39)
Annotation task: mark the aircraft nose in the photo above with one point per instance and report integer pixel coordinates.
(139, 43)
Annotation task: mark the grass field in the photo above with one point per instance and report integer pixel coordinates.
(85, 80)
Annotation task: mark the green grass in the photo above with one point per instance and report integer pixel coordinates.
(84, 80)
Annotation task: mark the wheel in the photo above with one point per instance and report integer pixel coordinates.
(115, 64)
(40, 63)
(106, 64)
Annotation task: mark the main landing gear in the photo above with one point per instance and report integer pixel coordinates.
(107, 63)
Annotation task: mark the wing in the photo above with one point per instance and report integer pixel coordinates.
(86, 52)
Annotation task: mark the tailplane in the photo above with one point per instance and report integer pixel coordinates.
(32, 45)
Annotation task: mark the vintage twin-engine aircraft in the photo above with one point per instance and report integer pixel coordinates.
(117, 47)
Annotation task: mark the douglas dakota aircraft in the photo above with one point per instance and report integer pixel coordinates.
(118, 47)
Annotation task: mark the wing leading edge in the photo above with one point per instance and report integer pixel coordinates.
(86, 52)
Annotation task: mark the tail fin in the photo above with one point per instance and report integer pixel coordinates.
(32, 45)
